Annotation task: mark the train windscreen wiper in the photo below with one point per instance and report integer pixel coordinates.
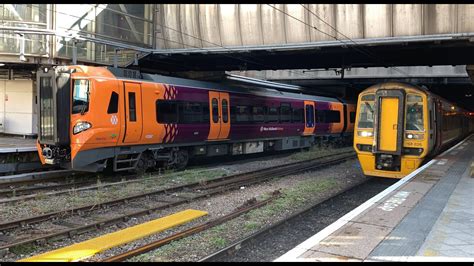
(369, 107)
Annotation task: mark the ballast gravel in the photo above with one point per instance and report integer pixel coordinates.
(202, 244)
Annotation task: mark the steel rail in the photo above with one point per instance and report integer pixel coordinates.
(13, 180)
(72, 188)
(204, 184)
(233, 246)
(251, 204)
(97, 225)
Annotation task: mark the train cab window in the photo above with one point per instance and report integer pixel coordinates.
(113, 103)
(215, 110)
(285, 112)
(272, 115)
(298, 115)
(414, 113)
(368, 97)
(225, 113)
(352, 117)
(166, 112)
(132, 106)
(258, 114)
(366, 113)
(80, 96)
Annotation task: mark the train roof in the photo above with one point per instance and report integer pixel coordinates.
(394, 85)
(223, 86)
(254, 90)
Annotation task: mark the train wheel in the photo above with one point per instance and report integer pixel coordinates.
(182, 160)
(144, 163)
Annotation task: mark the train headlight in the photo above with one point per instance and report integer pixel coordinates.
(414, 136)
(81, 126)
(365, 133)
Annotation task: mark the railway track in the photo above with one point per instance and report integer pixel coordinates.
(21, 194)
(34, 177)
(248, 206)
(63, 224)
(289, 232)
(15, 188)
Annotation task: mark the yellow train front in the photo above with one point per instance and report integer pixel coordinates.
(398, 125)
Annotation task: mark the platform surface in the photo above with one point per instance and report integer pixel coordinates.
(425, 216)
(11, 144)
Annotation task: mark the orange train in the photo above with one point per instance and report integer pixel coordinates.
(96, 118)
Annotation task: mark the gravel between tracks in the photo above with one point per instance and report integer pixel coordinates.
(193, 248)
(44, 203)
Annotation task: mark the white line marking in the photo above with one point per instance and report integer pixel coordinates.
(455, 146)
(297, 251)
(419, 258)
(312, 241)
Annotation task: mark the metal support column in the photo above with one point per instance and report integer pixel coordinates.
(74, 52)
(115, 57)
(22, 47)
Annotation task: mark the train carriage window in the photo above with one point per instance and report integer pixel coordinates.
(113, 103)
(328, 116)
(166, 112)
(132, 106)
(205, 113)
(242, 114)
(333, 116)
(215, 110)
(366, 113)
(285, 112)
(414, 113)
(352, 117)
(258, 114)
(272, 115)
(298, 115)
(225, 114)
(189, 113)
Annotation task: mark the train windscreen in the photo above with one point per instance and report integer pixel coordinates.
(414, 118)
(366, 116)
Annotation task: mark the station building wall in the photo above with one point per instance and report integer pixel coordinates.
(18, 107)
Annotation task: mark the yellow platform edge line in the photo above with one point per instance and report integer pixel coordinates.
(88, 248)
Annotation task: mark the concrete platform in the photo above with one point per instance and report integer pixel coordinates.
(426, 216)
(11, 144)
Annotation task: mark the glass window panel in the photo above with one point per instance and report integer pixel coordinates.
(366, 114)
(414, 113)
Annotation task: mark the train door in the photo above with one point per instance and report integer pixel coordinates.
(389, 124)
(219, 112)
(133, 112)
(309, 120)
